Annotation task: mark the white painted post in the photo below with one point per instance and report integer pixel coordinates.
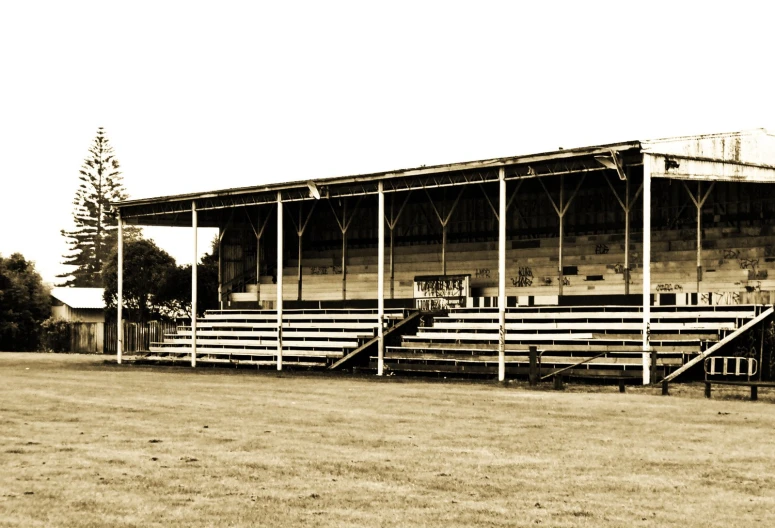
(381, 280)
(193, 285)
(646, 268)
(699, 205)
(502, 275)
(560, 276)
(279, 281)
(120, 299)
(258, 265)
(220, 269)
(627, 237)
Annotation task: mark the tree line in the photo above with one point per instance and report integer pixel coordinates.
(155, 286)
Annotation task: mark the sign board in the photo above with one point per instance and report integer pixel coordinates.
(439, 292)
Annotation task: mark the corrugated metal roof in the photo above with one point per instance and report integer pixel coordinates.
(385, 175)
(735, 156)
(80, 297)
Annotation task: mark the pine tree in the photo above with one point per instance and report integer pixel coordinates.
(94, 236)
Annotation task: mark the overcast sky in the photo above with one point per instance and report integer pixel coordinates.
(199, 96)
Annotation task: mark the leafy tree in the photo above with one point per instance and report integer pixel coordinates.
(155, 287)
(206, 282)
(150, 276)
(94, 236)
(24, 303)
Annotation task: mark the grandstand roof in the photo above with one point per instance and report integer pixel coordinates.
(747, 156)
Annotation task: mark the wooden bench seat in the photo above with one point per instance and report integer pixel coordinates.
(248, 331)
(272, 316)
(289, 326)
(295, 333)
(602, 325)
(686, 347)
(270, 352)
(545, 339)
(547, 357)
(271, 340)
(210, 360)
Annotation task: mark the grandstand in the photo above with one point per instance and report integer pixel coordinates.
(630, 260)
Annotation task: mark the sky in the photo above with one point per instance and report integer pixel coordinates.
(198, 96)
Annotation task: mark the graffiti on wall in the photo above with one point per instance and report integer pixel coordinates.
(482, 273)
(720, 298)
(438, 292)
(669, 288)
(524, 277)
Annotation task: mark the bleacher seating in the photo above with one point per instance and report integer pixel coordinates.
(311, 338)
(736, 265)
(466, 339)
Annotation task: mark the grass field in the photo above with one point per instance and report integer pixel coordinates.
(88, 444)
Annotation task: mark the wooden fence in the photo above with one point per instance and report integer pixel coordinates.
(137, 336)
(87, 338)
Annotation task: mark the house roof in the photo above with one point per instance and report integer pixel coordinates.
(89, 298)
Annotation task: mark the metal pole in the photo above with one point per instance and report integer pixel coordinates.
(193, 285)
(258, 264)
(646, 266)
(562, 217)
(627, 237)
(444, 248)
(120, 299)
(392, 263)
(220, 269)
(381, 279)
(699, 238)
(279, 281)
(300, 232)
(502, 275)
(344, 249)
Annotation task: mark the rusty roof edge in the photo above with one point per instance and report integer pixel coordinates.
(375, 176)
(748, 132)
(711, 160)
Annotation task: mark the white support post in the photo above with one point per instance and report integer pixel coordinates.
(259, 233)
(279, 281)
(502, 275)
(627, 236)
(381, 280)
(193, 285)
(646, 268)
(220, 268)
(700, 202)
(120, 299)
(560, 276)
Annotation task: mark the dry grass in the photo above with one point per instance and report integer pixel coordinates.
(87, 444)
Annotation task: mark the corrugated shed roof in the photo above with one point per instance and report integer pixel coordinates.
(80, 297)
